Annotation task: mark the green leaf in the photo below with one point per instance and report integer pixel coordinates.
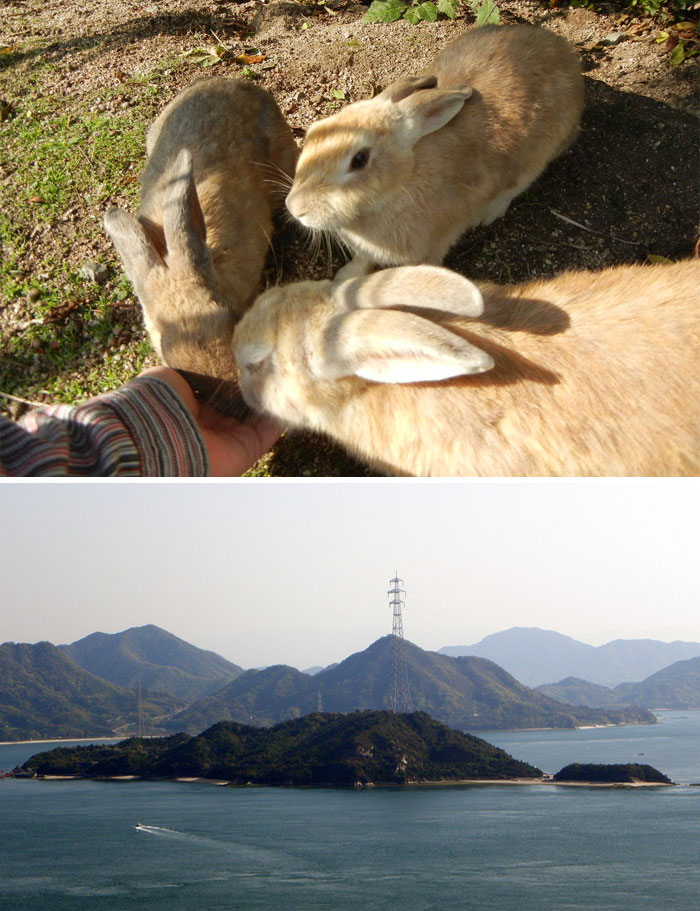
(385, 11)
(428, 11)
(338, 93)
(678, 54)
(487, 13)
(411, 15)
(448, 8)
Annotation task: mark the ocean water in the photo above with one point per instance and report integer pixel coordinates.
(672, 745)
(75, 844)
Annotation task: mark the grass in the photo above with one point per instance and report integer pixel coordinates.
(63, 337)
(51, 149)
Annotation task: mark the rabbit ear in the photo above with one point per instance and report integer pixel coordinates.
(430, 287)
(132, 244)
(394, 347)
(401, 89)
(183, 219)
(426, 112)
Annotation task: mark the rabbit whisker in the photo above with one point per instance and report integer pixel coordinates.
(329, 253)
(267, 237)
(278, 185)
(276, 172)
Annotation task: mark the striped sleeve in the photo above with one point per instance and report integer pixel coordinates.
(141, 430)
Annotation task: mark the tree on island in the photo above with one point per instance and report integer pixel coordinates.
(629, 773)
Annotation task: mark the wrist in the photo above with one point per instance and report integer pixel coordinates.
(178, 384)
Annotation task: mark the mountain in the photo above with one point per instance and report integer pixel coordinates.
(674, 687)
(319, 667)
(260, 697)
(465, 693)
(162, 662)
(319, 749)
(536, 656)
(44, 694)
(574, 691)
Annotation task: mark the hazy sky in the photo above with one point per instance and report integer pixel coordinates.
(281, 572)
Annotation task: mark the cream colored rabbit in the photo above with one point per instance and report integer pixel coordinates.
(584, 374)
(399, 177)
(196, 252)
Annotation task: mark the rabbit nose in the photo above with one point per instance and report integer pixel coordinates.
(297, 209)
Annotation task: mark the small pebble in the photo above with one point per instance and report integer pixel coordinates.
(614, 38)
(95, 272)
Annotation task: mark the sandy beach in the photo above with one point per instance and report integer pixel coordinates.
(462, 782)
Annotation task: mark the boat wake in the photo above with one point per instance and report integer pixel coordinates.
(156, 830)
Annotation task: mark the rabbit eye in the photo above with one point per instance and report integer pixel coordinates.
(359, 160)
(254, 366)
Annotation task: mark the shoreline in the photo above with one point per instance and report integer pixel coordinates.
(548, 781)
(444, 782)
(10, 743)
(473, 731)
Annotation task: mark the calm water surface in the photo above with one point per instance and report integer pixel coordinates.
(73, 844)
(672, 745)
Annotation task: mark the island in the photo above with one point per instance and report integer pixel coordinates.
(629, 773)
(356, 749)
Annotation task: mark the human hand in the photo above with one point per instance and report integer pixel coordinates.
(233, 446)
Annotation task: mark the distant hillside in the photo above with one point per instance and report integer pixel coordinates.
(574, 691)
(319, 667)
(162, 662)
(319, 749)
(465, 693)
(44, 694)
(259, 697)
(674, 687)
(536, 656)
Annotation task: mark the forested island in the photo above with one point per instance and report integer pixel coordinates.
(359, 748)
(629, 773)
(362, 748)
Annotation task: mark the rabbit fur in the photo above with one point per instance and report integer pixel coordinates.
(196, 252)
(586, 374)
(399, 177)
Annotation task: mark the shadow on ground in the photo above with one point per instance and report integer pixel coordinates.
(629, 180)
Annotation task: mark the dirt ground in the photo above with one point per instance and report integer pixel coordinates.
(626, 190)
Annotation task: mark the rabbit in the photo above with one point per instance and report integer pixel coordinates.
(196, 252)
(399, 177)
(585, 374)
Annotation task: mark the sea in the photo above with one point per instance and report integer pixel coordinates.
(72, 845)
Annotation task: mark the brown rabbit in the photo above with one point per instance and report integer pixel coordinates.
(400, 177)
(196, 252)
(585, 374)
